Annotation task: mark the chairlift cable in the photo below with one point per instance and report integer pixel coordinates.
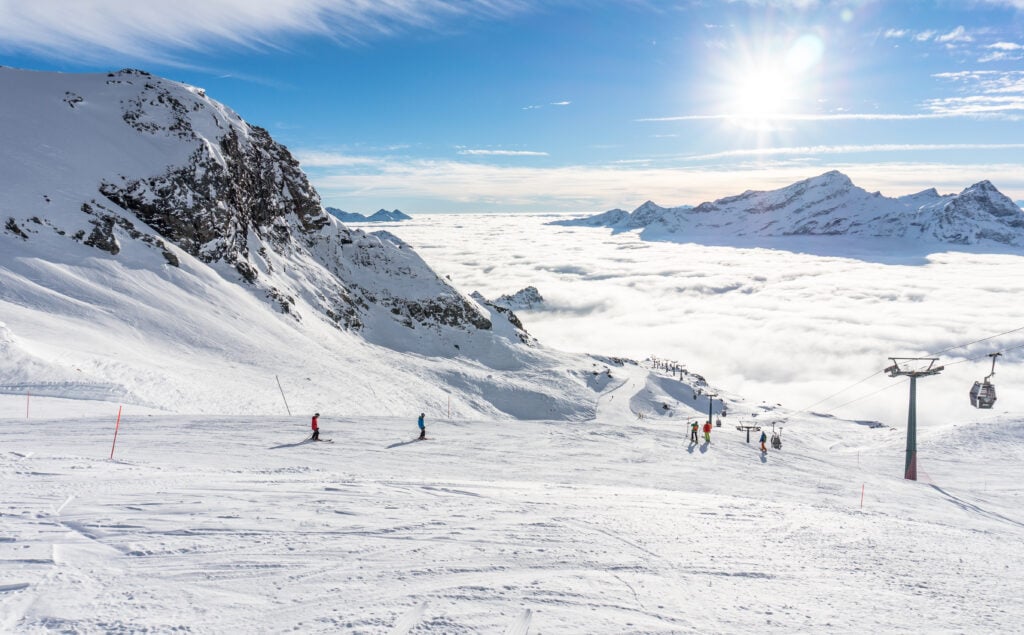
(870, 394)
(974, 359)
(952, 348)
(806, 408)
(984, 339)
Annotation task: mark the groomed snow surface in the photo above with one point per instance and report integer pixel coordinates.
(213, 524)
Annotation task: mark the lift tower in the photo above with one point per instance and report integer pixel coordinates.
(912, 367)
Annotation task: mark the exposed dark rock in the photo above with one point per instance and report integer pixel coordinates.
(12, 227)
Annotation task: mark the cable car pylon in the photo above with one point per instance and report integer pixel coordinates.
(901, 366)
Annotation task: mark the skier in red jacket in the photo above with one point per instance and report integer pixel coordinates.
(316, 428)
(707, 431)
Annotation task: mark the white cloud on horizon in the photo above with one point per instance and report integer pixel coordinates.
(443, 184)
(502, 153)
(105, 29)
(848, 149)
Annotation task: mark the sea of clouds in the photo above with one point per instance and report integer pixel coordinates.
(769, 324)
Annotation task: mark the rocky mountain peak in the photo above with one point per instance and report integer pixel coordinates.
(151, 163)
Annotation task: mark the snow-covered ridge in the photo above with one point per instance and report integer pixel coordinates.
(831, 205)
(380, 216)
(104, 160)
(142, 222)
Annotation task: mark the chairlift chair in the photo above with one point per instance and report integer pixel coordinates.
(983, 393)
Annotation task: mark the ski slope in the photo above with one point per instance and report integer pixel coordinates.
(217, 524)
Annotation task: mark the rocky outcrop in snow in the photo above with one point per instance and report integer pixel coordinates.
(126, 159)
(831, 205)
(526, 298)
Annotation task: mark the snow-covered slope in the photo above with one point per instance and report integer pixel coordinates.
(830, 204)
(141, 220)
(617, 525)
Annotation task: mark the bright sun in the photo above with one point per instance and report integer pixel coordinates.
(763, 87)
(762, 93)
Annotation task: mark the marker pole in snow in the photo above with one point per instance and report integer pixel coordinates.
(28, 398)
(116, 427)
(282, 395)
(910, 466)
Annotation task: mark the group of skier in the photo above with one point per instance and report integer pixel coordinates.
(316, 427)
(694, 427)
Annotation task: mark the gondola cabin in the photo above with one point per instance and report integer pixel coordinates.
(983, 394)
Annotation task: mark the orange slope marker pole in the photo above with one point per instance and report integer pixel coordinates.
(118, 425)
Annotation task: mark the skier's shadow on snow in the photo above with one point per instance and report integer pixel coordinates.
(691, 447)
(764, 457)
(401, 443)
(704, 447)
(292, 445)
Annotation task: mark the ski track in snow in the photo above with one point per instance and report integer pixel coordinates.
(230, 524)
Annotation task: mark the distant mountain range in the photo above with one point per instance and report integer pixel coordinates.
(380, 216)
(831, 205)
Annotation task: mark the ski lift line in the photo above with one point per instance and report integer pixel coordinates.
(851, 386)
(830, 411)
(974, 359)
(953, 348)
(984, 339)
(870, 394)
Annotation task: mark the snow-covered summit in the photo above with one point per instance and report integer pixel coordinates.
(830, 204)
(526, 298)
(141, 220)
(380, 216)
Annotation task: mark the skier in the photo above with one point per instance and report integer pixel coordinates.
(764, 439)
(707, 431)
(694, 426)
(423, 428)
(316, 428)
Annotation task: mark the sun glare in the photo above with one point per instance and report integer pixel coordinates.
(762, 93)
(762, 87)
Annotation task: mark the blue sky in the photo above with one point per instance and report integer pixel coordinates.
(546, 105)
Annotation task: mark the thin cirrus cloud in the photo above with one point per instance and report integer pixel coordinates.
(998, 94)
(77, 29)
(539, 106)
(850, 149)
(841, 116)
(502, 153)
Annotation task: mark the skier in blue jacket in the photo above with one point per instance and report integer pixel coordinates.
(423, 428)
